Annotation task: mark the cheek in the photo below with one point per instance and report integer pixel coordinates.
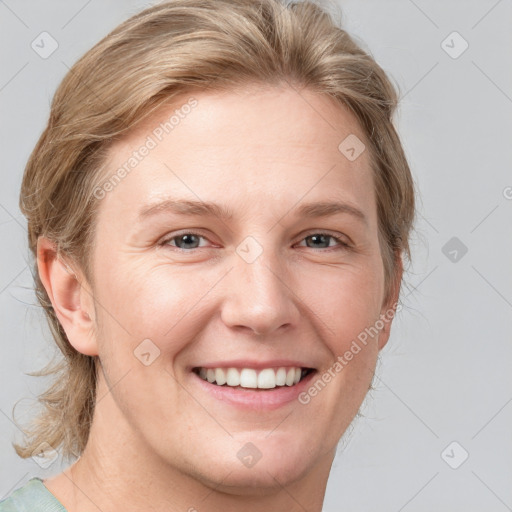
(345, 300)
(158, 302)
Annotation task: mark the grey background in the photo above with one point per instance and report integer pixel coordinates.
(445, 373)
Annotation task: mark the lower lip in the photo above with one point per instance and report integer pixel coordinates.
(255, 399)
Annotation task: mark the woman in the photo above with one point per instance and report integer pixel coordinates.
(218, 208)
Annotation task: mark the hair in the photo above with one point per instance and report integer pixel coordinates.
(172, 48)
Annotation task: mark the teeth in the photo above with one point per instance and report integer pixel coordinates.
(281, 377)
(220, 376)
(233, 377)
(267, 378)
(248, 378)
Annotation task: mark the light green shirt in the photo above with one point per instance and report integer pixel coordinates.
(31, 497)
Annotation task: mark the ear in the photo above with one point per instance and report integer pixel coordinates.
(389, 308)
(70, 297)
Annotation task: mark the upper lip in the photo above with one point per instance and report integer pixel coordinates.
(257, 365)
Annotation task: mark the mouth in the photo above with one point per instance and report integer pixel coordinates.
(265, 379)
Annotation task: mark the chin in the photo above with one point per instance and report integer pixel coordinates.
(265, 471)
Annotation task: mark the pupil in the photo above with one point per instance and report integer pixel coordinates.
(185, 237)
(316, 237)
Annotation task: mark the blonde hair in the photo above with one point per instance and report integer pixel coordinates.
(168, 49)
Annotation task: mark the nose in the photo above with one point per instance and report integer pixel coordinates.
(259, 297)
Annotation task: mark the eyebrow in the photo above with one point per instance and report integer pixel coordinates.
(202, 208)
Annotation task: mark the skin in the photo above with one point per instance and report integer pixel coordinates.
(171, 446)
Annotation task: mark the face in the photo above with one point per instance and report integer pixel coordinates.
(264, 279)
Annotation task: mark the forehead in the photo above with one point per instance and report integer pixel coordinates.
(272, 144)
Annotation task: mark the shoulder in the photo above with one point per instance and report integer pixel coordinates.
(33, 496)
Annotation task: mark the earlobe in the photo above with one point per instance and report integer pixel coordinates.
(65, 290)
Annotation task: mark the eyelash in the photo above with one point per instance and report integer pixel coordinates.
(342, 245)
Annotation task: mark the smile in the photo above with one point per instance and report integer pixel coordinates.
(266, 378)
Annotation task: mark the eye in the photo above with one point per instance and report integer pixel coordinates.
(321, 240)
(184, 241)
(191, 240)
